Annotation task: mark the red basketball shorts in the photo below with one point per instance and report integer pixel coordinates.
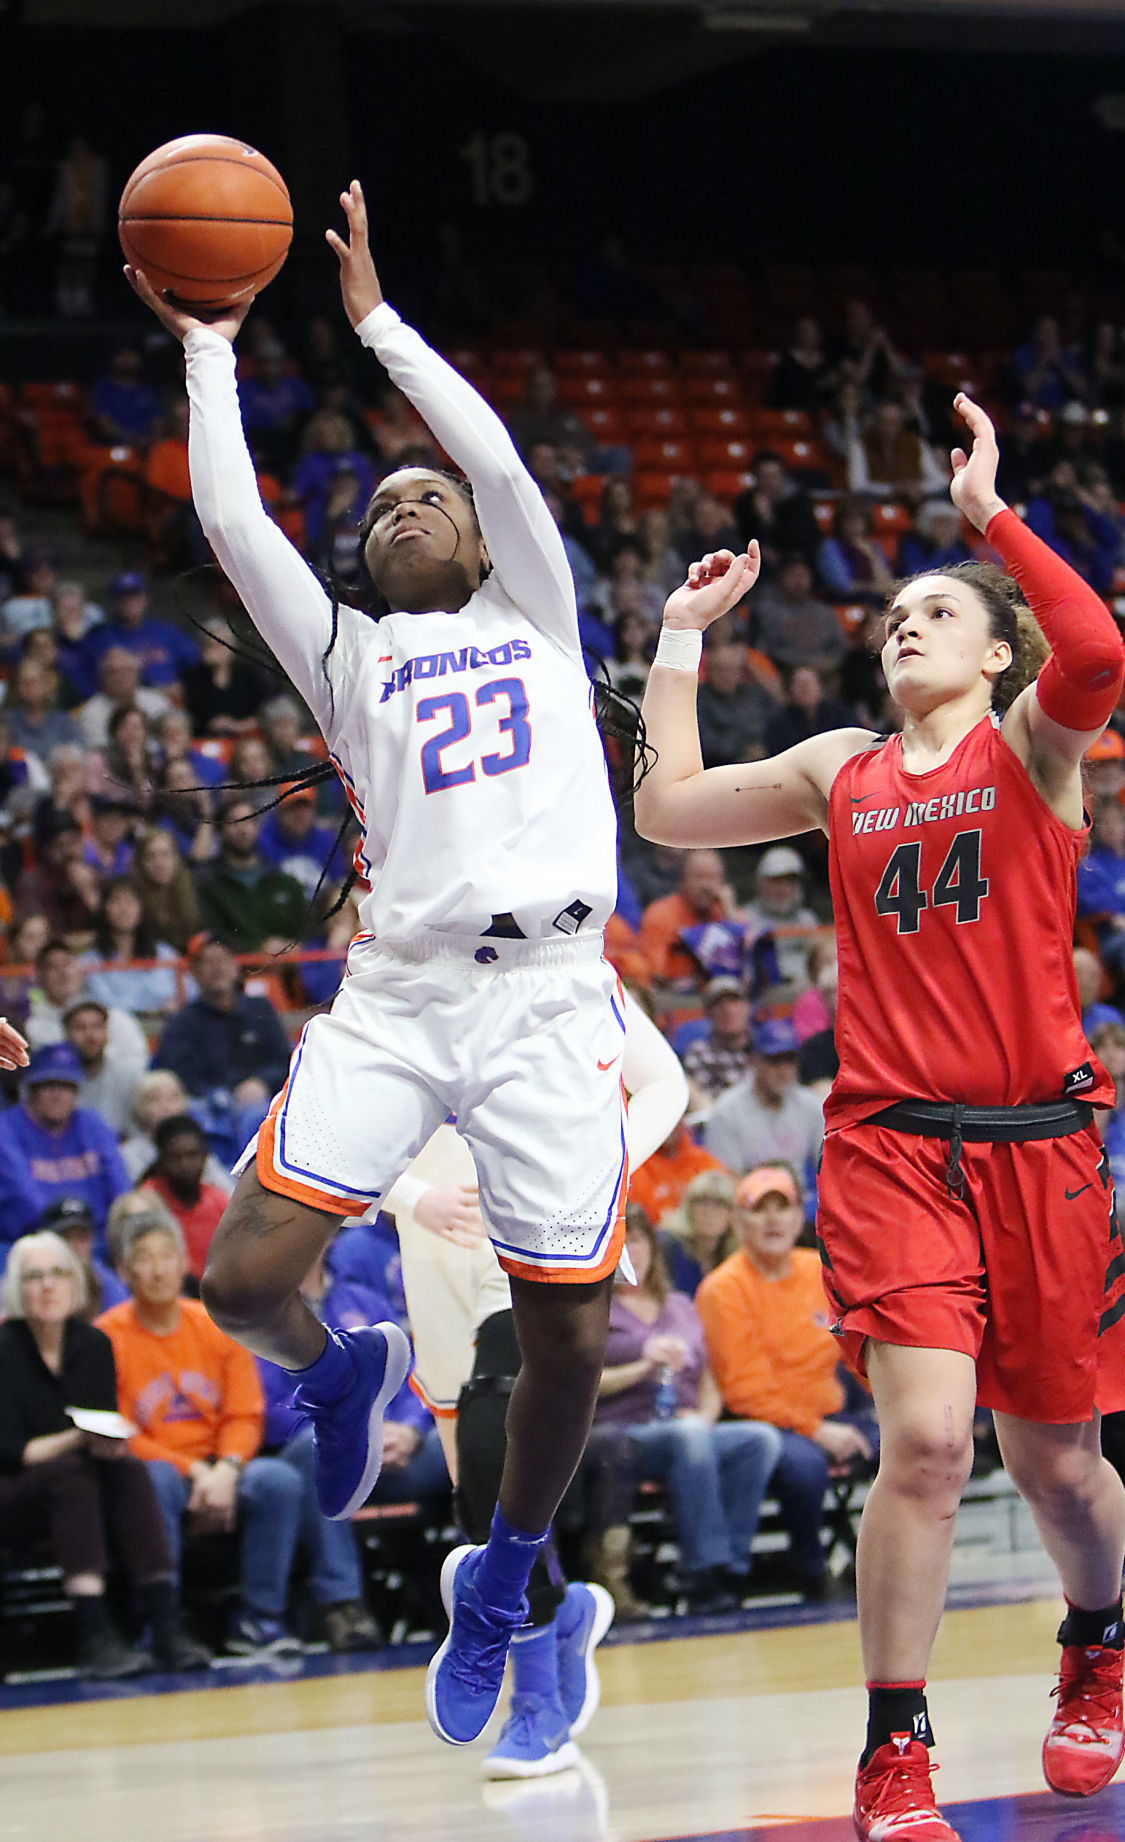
(1026, 1273)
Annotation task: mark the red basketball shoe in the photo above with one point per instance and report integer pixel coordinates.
(894, 1797)
(1085, 1742)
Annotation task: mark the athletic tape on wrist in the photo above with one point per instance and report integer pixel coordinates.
(680, 648)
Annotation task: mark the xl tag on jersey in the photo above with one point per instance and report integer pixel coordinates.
(571, 919)
(1078, 1080)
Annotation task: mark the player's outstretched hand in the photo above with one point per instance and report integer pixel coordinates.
(452, 1214)
(359, 283)
(973, 488)
(714, 585)
(13, 1047)
(179, 323)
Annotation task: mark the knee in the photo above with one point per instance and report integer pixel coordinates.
(271, 1486)
(1060, 1479)
(928, 1459)
(239, 1290)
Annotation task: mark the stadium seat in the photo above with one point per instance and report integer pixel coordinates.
(824, 511)
(650, 363)
(586, 489)
(607, 424)
(718, 453)
(706, 364)
(581, 363)
(851, 616)
(726, 482)
(730, 420)
(652, 488)
(663, 453)
(580, 388)
(719, 388)
(649, 387)
(665, 420)
(771, 424)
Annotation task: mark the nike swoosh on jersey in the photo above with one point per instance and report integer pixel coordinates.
(613, 1058)
(857, 799)
(1071, 1194)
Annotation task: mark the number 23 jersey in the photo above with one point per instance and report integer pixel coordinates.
(953, 893)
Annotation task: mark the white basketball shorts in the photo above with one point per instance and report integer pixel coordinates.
(520, 1040)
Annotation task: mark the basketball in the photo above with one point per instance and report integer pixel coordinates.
(207, 219)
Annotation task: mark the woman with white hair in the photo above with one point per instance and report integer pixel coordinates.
(80, 1489)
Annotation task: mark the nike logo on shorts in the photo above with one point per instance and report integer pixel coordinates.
(1071, 1194)
(613, 1058)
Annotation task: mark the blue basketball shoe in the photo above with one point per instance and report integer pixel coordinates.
(348, 1431)
(535, 1741)
(581, 1622)
(465, 1676)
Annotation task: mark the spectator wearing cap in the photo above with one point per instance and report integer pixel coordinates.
(275, 402)
(109, 846)
(662, 1181)
(766, 1325)
(61, 886)
(250, 905)
(51, 1147)
(225, 1047)
(702, 895)
(109, 1078)
(767, 1115)
(291, 839)
(791, 625)
(72, 1219)
(61, 981)
(717, 1060)
(119, 682)
(934, 540)
(779, 888)
(31, 719)
(1103, 767)
(777, 512)
(195, 1396)
(1024, 459)
(176, 1176)
(164, 651)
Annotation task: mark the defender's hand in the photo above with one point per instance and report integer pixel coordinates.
(714, 585)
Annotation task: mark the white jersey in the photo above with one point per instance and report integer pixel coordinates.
(466, 740)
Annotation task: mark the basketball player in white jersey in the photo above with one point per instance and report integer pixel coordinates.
(461, 723)
(455, 1287)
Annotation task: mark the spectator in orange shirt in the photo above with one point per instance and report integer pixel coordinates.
(703, 895)
(660, 1184)
(765, 1320)
(196, 1397)
(182, 1149)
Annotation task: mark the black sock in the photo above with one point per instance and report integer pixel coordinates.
(160, 1609)
(92, 1618)
(896, 1707)
(1104, 1627)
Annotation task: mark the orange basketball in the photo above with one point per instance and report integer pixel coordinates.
(208, 219)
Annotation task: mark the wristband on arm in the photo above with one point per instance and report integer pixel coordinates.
(1080, 684)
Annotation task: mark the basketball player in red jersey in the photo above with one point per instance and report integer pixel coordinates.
(965, 1200)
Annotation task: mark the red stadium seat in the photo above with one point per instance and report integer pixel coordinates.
(824, 511)
(780, 423)
(661, 419)
(607, 424)
(706, 364)
(719, 388)
(654, 452)
(721, 419)
(586, 490)
(726, 482)
(583, 387)
(651, 363)
(583, 363)
(713, 453)
(652, 488)
(649, 387)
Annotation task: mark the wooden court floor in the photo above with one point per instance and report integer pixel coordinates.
(711, 1736)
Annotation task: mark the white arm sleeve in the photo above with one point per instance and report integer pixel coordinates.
(655, 1082)
(406, 1192)
(287, 604)
(523, 539)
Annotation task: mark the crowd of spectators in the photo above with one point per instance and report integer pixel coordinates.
(156, 907)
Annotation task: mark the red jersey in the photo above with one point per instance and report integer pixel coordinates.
(953, 893)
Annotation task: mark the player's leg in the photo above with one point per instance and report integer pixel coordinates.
(1078, 1502)
(925, 1401)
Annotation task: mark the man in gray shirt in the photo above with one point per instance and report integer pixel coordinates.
(767, 1115)
(109, 1077)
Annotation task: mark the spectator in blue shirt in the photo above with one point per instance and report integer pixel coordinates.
(1101, 882)
(51, 1147)
(164, 650)
(275, 402)
(1065, 517)
(291, 839)
(125, 409)
(73, 1219)
(934, 540)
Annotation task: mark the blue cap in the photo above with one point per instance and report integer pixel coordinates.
(776, 1036)
(54, 1062)
(128, 582)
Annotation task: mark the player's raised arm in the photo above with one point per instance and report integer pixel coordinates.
(679, 801)
(522, 539)
(1052, 722)
(282, 595)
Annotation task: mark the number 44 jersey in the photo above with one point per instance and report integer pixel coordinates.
(953, 893)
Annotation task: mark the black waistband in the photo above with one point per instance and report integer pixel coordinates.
(977, 1125)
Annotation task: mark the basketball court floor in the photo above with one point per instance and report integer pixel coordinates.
(747, 1727)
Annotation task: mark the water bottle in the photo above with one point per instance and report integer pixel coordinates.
(666, 1399)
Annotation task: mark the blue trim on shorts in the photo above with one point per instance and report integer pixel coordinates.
(298, 1171)
(531, 1258)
